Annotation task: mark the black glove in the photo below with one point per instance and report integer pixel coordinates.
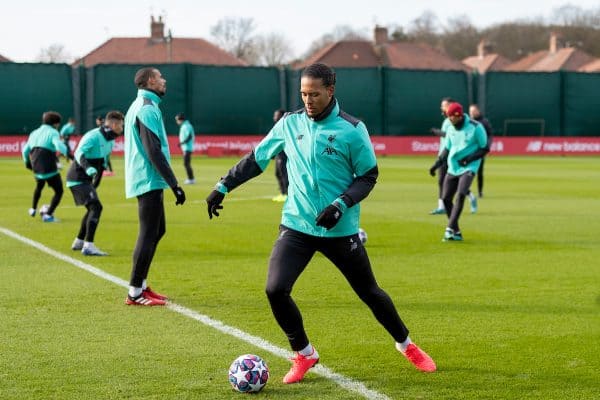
(28, 164)
(214, 200)
(432, 170)
(179, 195)
(329, 217)
(464, 162)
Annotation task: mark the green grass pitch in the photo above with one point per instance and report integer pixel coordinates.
(513, 312)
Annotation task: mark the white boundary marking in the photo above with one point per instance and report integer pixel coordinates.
(345, 382)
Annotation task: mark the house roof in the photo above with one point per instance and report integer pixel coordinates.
(406, 55)
(488, 62)
(362, 53)
(345, 53)
(146, 50)
(593, 66)
(568, 59)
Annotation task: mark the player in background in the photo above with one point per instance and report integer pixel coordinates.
(280, 166)
(475, 114)
(84, 175)
(466, 143)
(332, 167)
(108, 171)
(147, 173)
(66, 132)
(39, 155)
(443, 169)
(186, 143)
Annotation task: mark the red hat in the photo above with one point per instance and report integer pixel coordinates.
(454, 109)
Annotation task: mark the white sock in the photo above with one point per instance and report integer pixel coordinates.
(87, 244)
(144, 284)
(134, 291)
(309, 351)
(441, 204)
(402, 346)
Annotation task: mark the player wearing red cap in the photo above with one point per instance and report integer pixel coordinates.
(466, 143)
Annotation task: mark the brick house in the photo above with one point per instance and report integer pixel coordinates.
(556, 58)
(486, 60)
(158, 49)
(382, 52)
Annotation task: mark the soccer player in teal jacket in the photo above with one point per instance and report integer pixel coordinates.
(85, 174)
(147, 173)
(66, 131)
(331, 167)
(466, 143)
(186, 143)
(39, 155)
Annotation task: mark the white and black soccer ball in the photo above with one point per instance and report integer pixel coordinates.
(362, 235)
(248, 373)
(44, 210)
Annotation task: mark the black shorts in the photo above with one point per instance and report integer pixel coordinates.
(84, 194)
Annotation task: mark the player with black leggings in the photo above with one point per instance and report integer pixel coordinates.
(147, 173)
(332, 168)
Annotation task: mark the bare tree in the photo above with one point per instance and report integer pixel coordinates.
(340, 32)
(235, 36)
(570, 15)
(55, 53)
(425, 28)
(460, 37)
(273, 49)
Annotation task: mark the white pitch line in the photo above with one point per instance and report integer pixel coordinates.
(345, 382)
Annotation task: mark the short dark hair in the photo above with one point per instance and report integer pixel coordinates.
(142, 76)
(115, 115)
(180, 116)
(448, 100)
(100, 117)
(320, 71)
(51, 118)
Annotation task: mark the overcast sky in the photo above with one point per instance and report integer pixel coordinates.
(81, 26)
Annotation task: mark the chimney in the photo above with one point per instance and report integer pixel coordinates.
(482, 48)
(157, 29)
(555, 42)
(381, 35)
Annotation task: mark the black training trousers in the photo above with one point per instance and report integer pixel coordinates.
(187, 163)
(458, 185)
(480, 177)
(442, 171)
(55, 182)
(151, 215)
(292, 252)
(85, 194)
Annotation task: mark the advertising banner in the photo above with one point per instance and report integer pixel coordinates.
(218, 146)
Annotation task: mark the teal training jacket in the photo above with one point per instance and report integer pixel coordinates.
(141, 176)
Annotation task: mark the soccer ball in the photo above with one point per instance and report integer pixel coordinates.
(248, 373)
(362, 235)
(44, 210)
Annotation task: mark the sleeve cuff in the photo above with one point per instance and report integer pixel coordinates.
(219, 187)
(340, 204)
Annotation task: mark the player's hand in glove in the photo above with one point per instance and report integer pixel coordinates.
(464, 162)
(179, 195)
(214, 200)
(91, 171)
(28, 164)
(432, 170)
(329, 217)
